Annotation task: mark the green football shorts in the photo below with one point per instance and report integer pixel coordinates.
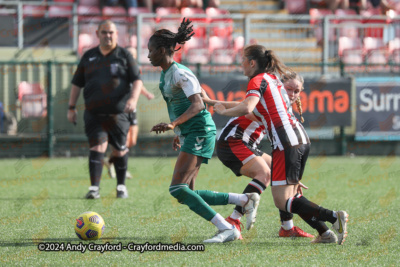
(199, 143)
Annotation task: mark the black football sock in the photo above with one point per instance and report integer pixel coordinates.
(95, 167)
(121, 165)
(254, 186)
(317, 225)
(285, 216)
(308, 210)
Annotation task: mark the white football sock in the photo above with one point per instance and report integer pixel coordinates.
(94, 188)
(220, 222)
(236, 215)
(334, 214)
(287, 225)
(237, 199)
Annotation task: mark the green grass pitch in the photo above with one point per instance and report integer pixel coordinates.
(40, 199)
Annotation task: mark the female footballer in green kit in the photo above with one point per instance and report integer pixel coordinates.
(195, 135)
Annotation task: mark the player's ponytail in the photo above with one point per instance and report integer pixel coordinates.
(267, 60)
(300, 109)
(167, 39)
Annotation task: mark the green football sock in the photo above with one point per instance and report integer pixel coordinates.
(213, 198)
(186, 196)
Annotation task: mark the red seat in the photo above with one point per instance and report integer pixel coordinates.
(85, 42)
(64, 1)
(33, 100)
(163, 12)
(34, 11)
(296, 6)
(134, 11)
(350, 50)
(221, 50)
(60, 11)
(317, 14)
(371, 43)
(220, 22)
(373, 31)
(316, 19)
(116, 14)
(347, 43)
(223, 56)
(216, 42)
(88, 11)
(394, 45)
(89, 2)
(198, 56)
(199, 24)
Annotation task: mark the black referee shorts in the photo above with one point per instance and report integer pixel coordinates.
(100, 128)
(132, 118)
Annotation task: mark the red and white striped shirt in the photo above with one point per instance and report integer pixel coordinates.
(274, 111)
(250, 132)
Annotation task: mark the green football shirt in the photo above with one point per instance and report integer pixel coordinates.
(177, 83)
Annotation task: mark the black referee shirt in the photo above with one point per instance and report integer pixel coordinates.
(107, 80)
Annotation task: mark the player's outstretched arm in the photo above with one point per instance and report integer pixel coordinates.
(211, 102)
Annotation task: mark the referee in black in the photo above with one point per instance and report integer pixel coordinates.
(112, 84)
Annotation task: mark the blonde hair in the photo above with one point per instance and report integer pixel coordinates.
(295, 76)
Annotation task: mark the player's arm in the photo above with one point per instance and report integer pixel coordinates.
(134, 77)
(146, 93)
(211, 102)
(195, 107)
(243, 108)
(73, 99)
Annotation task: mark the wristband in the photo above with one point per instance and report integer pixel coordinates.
(71, 107)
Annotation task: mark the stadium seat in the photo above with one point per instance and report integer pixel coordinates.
(63, 1)
(394, 45)
(296, 6)
(95, 3)
(85, 42)
(372, 43)
(375, 52)
(116, 14)
(317, 14)
(352, 30)
(350, 51)
(88, 11)
(60, 11)
(221, 50)
(163, 12)
(134, 11)
(395, 59)
(193, 44)
(34, 11)
(347, 43)
(123, 34)
(199, 24)
(238, 45)
(377, 57)
(198, 56)
(316, 19)
(223, 56)
(33, 100)
(216, 42)
(220, 26)
(143, 57)
(376, 32)
(133, 41)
